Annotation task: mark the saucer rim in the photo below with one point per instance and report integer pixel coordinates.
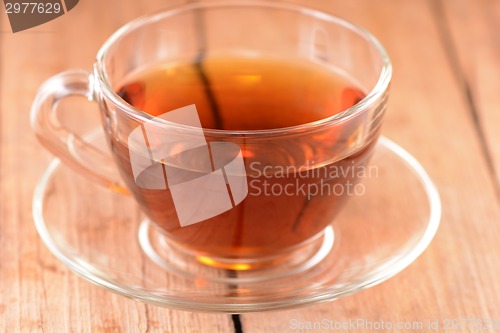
(177, 302)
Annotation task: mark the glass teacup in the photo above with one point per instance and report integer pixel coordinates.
(240, 128)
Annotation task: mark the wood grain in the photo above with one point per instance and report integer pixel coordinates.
(429, 114)
(443, 108)
(474, 25)
(37, 292)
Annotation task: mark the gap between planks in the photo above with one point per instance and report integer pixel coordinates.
(451, 54)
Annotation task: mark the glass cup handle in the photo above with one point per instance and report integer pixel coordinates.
(66, 145)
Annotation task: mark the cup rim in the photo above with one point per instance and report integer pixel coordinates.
(372, 96)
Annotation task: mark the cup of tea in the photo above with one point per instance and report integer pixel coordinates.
(239, 127)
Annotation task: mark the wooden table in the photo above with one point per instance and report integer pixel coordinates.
(444, 109)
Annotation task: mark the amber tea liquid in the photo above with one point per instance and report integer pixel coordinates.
(296, 185)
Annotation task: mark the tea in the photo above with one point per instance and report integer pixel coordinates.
(295, 185)
(243, 93)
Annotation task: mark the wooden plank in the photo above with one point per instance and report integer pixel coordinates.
(428, 114)
(37, 292)
(474, 25)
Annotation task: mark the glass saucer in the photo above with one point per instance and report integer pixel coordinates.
(103, 237)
